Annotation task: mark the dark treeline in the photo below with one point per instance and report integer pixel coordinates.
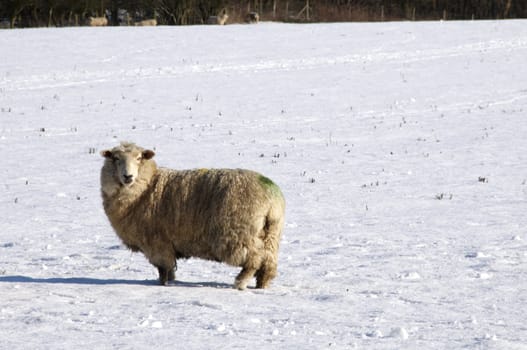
(39, 13)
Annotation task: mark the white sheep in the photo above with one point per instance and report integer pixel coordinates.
(146, 22)
(227, 215)
(97, 21)
(221, 19)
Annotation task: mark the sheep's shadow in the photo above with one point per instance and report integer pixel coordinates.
(217, 285)
(74, 280)
(103, 282)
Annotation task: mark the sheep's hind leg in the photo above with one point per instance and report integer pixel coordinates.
(265, 274)
(242, 280)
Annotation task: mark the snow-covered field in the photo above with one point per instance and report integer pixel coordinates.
(401, 149)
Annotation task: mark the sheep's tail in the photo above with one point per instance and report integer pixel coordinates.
(274, 220)
(274, 223)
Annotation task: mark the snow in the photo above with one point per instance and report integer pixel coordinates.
(378, 133)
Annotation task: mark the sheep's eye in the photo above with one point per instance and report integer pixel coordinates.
(116, 159)
(139, 159)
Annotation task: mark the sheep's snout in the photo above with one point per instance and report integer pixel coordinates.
(128, 179)
(128, 170)
(128, 176)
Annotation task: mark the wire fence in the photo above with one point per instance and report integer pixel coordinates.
(59, 13)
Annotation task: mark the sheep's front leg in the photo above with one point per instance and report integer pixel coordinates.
(166, 275)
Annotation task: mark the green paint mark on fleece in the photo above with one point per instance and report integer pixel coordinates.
(268, 183)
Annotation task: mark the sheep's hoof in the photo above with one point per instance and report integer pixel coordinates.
(260, 285)
(240, 285)
(166, 282)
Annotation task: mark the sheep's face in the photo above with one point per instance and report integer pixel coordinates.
(126, 163)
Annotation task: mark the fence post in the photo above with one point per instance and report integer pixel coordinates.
(50, 17)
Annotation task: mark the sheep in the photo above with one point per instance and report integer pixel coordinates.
(5, 24)
(233, 216)
(146, 22)
(221, 19)
(252, 17)
(97, 21)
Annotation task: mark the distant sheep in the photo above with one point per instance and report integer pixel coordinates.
(221, 19)
(146, 22)
(97, 21)
(5, 24)
(252, 17)
(226, 215)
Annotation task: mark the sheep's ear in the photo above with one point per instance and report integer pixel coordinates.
(148, 154)
(106, 154)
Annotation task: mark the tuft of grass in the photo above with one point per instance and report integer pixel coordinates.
(442, 196)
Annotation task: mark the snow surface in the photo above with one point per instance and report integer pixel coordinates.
(400, 147)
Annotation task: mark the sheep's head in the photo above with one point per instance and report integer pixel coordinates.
(126, 165)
